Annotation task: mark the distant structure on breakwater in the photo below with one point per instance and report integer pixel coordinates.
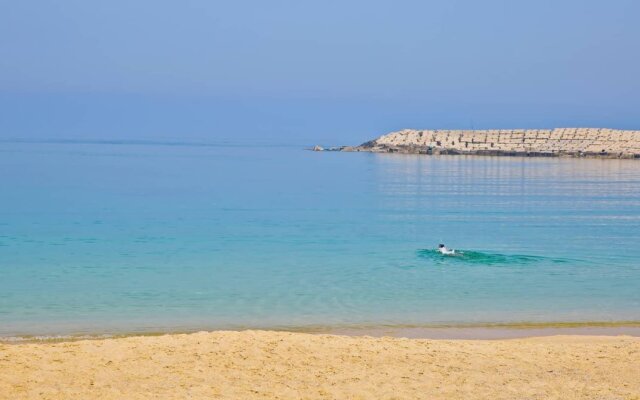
(568, 142)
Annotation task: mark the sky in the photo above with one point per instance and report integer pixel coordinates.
(303, 72)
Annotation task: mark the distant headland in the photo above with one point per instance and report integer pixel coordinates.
(559, 142)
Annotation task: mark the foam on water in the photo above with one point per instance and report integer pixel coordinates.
(486, 258)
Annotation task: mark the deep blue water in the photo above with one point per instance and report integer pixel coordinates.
(116, 237)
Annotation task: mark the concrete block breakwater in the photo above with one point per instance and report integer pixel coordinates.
(571, 142)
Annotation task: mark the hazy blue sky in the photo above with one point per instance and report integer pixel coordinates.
(333, 72)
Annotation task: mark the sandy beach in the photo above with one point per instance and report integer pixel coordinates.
(269, 365)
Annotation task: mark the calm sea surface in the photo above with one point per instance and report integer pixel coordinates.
(109, 237)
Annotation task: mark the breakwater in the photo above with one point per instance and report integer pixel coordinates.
(570, 142)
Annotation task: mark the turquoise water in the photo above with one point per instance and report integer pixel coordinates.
(467, 257)
(117, 237)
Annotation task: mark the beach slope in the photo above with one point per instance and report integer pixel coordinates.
(268, 365)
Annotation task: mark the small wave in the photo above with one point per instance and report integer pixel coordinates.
(51, 338)
(484, 258)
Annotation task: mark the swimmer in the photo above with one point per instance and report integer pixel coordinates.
(443, 250)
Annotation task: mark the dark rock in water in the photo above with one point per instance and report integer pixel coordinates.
(335, 148)
(332, 148)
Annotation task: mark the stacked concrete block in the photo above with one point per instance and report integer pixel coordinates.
(559, 141)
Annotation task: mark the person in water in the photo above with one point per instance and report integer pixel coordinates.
(443, 250)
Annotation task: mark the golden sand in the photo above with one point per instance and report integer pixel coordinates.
(270, 365)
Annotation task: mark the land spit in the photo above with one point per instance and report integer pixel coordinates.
(569, 142)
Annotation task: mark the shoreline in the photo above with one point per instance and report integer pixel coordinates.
(426, 150)
(491, 333)
(268, 364)
(472, 331)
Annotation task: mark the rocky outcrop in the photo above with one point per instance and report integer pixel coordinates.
(571, 142)
(334, 148)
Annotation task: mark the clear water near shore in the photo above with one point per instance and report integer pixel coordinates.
(116, 237)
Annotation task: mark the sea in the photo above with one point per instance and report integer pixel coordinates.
(119, 237)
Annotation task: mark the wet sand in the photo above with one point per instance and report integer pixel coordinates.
(488, 332)
(285, 365)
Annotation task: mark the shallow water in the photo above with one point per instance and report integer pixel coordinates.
(117, 237)
(471, 257)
